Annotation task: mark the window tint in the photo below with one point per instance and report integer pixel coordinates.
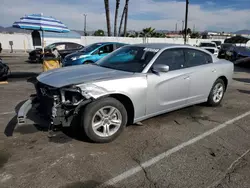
(70, 46)
(60, 47)
(196, 57)
(107, 48)
(174, 58)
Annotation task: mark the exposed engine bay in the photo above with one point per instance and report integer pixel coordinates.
(58, 105)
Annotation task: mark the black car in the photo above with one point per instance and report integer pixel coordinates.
(238, 54)
(64, 48)
(224, 48)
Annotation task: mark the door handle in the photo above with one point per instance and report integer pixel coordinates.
(187, 78)
(214, 70)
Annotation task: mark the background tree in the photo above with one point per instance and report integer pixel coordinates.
(99, 32)
(147, 32)
(126, 18)
(195, 35)
(116, 16)
(106, 4)
(120, 27)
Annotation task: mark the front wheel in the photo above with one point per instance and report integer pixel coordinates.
(104, 120)
(217, 93)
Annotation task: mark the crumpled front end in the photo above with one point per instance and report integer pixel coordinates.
(57, 106)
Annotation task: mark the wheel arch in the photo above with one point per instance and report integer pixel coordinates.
(128, 104)
(225, 80)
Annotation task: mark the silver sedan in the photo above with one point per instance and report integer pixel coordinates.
(134, 83)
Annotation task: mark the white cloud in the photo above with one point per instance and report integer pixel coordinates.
(170, 12)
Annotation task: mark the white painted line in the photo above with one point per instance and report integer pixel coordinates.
(167, 153)
(6, 113)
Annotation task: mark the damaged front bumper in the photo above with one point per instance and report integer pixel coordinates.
(60, 115)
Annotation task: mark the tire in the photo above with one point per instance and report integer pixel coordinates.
(97, 112)
(218, 89)
(87, 62)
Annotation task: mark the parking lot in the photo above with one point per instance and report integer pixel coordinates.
(197, 146)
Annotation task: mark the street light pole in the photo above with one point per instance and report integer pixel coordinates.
(85, 24)
(186, 20)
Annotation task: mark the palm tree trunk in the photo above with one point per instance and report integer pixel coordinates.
(116, 15)
(106, 3)
(120, 27)
(126, 18)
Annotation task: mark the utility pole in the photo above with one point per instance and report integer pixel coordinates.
(194, 28)
(182, 26)
(85, 24)
(176, 28)
(186, 21)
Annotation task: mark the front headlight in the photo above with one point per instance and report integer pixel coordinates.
(92, 90)
(78, 57)
(73, 58)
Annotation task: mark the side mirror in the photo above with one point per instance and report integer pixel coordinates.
(160, 68)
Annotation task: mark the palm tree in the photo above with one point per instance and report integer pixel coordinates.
(126, 18)
(116, 15)
(106, 3)
(120, 27)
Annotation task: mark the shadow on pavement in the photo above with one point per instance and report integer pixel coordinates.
(242, 68)
(21, 75)
(9, 129)
(87, 184)
(38, 123)
(245, 80)
(244, 91)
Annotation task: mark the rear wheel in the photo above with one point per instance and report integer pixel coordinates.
(104, 120)
(217, 93)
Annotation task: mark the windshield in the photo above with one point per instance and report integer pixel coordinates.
(207, 45)
(91, 47)
(128, 58)
(226, 46)
(51, 46)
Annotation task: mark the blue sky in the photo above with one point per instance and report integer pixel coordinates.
(222, 15)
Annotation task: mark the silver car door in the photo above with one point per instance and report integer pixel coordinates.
(168, 90)
(202, 74)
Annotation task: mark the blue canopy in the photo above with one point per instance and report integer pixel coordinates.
(42, 23)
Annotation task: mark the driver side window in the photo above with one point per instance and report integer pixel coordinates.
(174, 58)
(106, 49)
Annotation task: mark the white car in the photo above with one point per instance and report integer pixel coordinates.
(211, 47)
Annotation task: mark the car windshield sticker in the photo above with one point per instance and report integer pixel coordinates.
(151, 50)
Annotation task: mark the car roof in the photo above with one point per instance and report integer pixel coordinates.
(109, 43)
(159, 45)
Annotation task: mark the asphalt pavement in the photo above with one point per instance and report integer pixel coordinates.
(196, 147)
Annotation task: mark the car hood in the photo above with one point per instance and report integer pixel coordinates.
(243, 53)
(79, 74)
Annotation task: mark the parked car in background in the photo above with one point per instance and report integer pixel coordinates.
(224, 48)
(211, 47)
(64, 48)
(91, 53)
(133, 83)
(238, 54)
(218, 43)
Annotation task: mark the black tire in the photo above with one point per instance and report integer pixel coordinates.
(87, 62)
(92, 108)
(211, 101)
